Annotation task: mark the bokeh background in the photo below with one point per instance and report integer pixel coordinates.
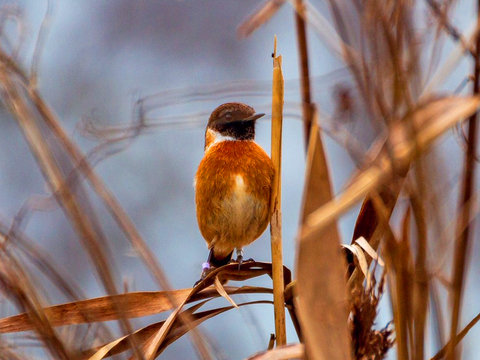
(98, 58)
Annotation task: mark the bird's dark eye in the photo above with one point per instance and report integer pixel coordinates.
(228, 116)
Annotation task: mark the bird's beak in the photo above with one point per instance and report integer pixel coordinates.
(253, 117)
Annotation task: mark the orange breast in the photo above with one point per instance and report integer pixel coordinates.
(233, 185)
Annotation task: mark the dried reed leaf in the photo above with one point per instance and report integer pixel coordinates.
(149, 351)
(322, 297)
(307, 106)
(99, 309)
(145, 335)
(221, 290)
(103, 351)
(154, 343)
(450, 64)
(180, 331)
(431, 121)
(136, 304)
(369, 250)
(161, 335)
(141, 336)
(293, 351)
(358, 252)
(368, 225)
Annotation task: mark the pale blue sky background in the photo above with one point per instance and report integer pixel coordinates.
(98, 58)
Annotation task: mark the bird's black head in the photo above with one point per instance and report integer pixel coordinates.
(234, 120)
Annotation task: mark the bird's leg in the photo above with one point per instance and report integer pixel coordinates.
(206, 268)
(239, 252)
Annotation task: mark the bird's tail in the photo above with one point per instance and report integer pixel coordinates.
(218, 261)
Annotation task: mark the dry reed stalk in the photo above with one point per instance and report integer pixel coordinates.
(420, 274)
(61, 191)
(320, 266)
(275, 200)
(65, 196)
(307, 107)
(444, 22)
(442, 353)
(399, 278)
(462, 241)
(17, 286)
(259, 17)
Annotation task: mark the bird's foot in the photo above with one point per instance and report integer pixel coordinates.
(239, 261)
(207, 268)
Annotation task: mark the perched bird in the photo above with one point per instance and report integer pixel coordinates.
(232, 185)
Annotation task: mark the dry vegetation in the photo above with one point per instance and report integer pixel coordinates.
(396, 77)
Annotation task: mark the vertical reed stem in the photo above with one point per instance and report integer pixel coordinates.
(275, 202)
(300, 19)
(465, 208)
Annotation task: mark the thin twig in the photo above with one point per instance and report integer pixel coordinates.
(462, 242)
(449, 28)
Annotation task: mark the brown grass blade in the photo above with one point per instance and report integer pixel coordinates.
(16, 286)
(42, 260)
(82, 222)
(322, 298)
(141, 336)
(421, 275)
(307, 106)
(294, 351)
(369, 250)
(431, 121)
(221, 290)
(259, 17)
(198, 319)
(441, 354)
(275, 200)
(101, 309)
(145, 335)
(399, 277)
(150, 350)
(227, 272)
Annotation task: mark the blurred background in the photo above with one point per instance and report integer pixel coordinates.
(100, 57)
